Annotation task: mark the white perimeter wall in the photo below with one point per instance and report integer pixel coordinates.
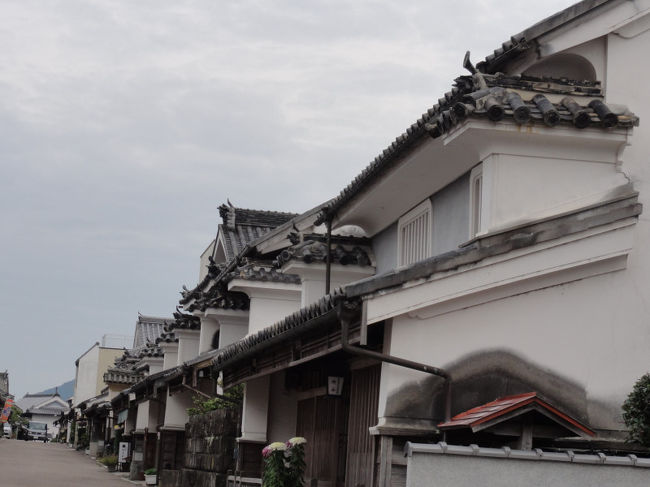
(436, 470)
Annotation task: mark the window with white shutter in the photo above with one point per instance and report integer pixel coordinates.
(475, 200)
(414, 234)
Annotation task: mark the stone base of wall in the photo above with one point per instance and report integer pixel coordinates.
(135, 471)
(210, 441)
(169, 478)
(198, 478)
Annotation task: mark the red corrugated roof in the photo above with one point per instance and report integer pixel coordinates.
(487, 412)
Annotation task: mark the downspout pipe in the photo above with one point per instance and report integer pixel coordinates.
(347, 312)
(328, 260)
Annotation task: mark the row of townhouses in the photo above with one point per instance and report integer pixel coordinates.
(472, 307)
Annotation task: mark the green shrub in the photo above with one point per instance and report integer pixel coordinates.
(109, 460)
(636, 411)
(150, 471)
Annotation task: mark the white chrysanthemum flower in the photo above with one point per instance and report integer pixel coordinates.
(277, 446)
(298, 440)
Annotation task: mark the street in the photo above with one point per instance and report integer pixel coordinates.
(36, 464)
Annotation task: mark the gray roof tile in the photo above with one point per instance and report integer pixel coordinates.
(494, 102)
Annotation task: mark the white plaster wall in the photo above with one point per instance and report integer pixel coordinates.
(231, 332)
(450, 216)
(269, 302)
(283, 410)
(255, 410)
(232, 325)
(266, 310)
(312, 278)
(176, 409)
(519, 188)
(384, 246)
(208, 329)
(170, 355)
(86, 378)
(155, 364)
(435, 470)
(188, 345)
(593, 332)
(147, 416)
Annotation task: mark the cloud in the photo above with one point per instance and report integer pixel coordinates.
(123, 125)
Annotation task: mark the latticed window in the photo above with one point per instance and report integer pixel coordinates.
(414, 234)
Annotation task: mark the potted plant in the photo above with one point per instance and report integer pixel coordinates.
(150, 476)
(110, 461)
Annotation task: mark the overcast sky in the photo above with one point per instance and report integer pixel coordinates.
(124, 124)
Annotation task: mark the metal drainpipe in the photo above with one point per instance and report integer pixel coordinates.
(328, 261)
(346, 314)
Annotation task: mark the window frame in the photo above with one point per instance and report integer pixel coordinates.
(424, 208)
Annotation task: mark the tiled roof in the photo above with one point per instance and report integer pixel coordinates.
(237, 238)
(525, 40)
(167, 337)
(124, 369)
(241, 226)
(506, 406)
(184, 321)
(526, 101)
(115, 376)
(219, 297)
(315, 250)
(257, 272)
(151, 350)
(278, 332)
(233, 216)
(34, 401)
(148, 329)
(499, 98)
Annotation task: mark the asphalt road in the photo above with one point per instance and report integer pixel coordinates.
(37, 464)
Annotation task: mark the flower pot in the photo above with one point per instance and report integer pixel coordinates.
(150, 479)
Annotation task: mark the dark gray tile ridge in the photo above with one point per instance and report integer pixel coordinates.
(315, 251)
(526, 39)
(568, 456)
(495, 98)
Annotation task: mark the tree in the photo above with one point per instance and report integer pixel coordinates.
(16, 418)
(636, 411)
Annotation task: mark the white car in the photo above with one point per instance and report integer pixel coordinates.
(6, 430)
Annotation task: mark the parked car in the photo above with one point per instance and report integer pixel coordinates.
(6, 430)
(35, 430)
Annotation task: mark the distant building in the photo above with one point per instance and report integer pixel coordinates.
(91, 366)
(44, 408)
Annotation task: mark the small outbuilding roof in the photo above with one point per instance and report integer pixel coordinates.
(505, 408)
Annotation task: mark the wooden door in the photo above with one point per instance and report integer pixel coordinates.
(364, 402)
(322, 420)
